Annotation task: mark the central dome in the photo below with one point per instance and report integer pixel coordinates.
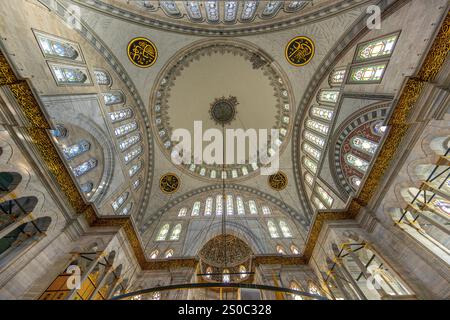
(222, 85)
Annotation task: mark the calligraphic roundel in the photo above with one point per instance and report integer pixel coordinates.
(299, 51)
(142, 52)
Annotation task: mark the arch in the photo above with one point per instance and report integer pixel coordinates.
(13, 210)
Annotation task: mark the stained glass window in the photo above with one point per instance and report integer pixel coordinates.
(318, 204)
(154, 254)
(356, 182)
(85, 167)
(120, 201)
(443, 205)
(356, 162)
(212, 10)
(65, 74)
(230, 205)
(208, 206)
(313, 152)
(281, 250)
(231, 8)
(272, 229)
(317, 126)
(182, 212)
(126, 128)
(193, 10)
(265, 210)
(170, 7)
(135, 169)
(377, 48)
(364, 145)
(373, 73)
(196, 209)
(136, 184)
(337, 77)
(285, 230)
(163, 232)
(249, 10)
(243, 271)
(55, 47)
(318, 141)
(168, 254)
(226, 276)
(252, 206)
(219, 205)
(132, 154)
(296, 287)
(120, 115)
(322, 113)
(176, 232)
(295, 250)
(113, 98)
(102, 77)
(325, 196)
(87, 187)
(330, 96)
(128, 142)
(297, 5)
(271, 8)
(240, 206)
(126, 211)
(309, 179)
(379, 128)
(313, 289)
(311, 165)
(76, 149)
(59, 132)
(208, 273)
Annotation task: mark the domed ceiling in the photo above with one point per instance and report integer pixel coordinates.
(205, 83)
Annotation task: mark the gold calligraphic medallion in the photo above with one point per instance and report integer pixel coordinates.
(278, 181)
(142, 52)
(169, 183)
(299, 51)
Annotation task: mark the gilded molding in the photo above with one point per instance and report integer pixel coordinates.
(7, 75)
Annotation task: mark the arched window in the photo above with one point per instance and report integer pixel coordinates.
(212, 10)
(309, 164)
(156, 295)
(367, 74)
(76, 149)
(273, 229)
(337, 77)
(168, 254)
(85, 167)
(356, 181)
(285, 230)
(231, 8)
(126, 128)
(328, 96)
(120, 115)
(318, 204)
(379, 128)
(325, 196)
(230, 205)
(252, 206)
(313, 289)
(136, 183)
(13, 210)
(356, 162)
(376, 48)
(364, 145)
(120, 201)
(87, 187)
(249, 10)
(170, 7)
(219, 205)
(102, 77)
(295, 286)
(271, 8)
(309, 179)
(266, 210)
(295, 250)
(208, 206)
(162, 235)
(176, 232)
(317, 126)
(182, 212)
(208, 272)
(59, 132)
(296, 5)
(193, 10)
(70, 75)
(113, 98)
(311, 137)
(58, 48)
(132, 154)
(240, 206)
(130, 141)
(280, 250)
(243, 271)
(226, 276)
(154, 254)
(126, 211)
(196, 209)
(322, 113)
(135, 169)
(313, 152)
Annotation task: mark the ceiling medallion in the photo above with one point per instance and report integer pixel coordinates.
(299, 51)
(278, 181)
(223, 110)
(142, 52)
(169, 183)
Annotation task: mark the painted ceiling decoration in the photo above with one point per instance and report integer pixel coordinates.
(300, 51)
(169, 183)
(142, 52)
(278, 181)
